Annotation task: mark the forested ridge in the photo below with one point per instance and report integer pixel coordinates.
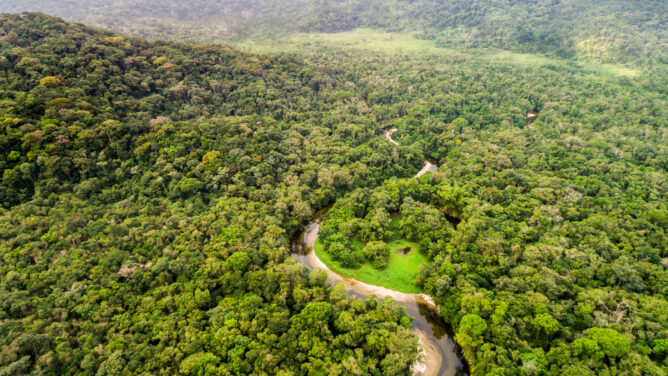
(149, 190)
(618, 31)
(148, 193)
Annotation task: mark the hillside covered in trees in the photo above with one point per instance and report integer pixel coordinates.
(604, 30)
(149, 191)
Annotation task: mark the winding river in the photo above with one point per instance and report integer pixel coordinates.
(441, 356)
(388, 133)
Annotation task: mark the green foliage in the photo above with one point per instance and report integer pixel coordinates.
(199, 364)
(147, 202)
(189, 186)
(469, 332)
(611, 342)
(377, 253)
(148, 195)
(546, 324)
(611, 31)
(49, 81)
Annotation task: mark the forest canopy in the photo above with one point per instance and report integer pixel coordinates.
(149, 191)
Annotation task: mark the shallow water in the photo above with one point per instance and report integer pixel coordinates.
(531, 117)
(388, 133)
(428, 167)
(442, 356)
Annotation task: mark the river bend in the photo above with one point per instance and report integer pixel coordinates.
(441, 356)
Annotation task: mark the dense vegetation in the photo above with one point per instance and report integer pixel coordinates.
(555, 260)
(563, 221)
(148, 192)
(366, 219)
(605, 30)
(371, 228)
(394, 265)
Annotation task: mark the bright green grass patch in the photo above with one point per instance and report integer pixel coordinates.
(400, 272)
(368, 39)
(521, 59)
(363, 39)
(380, 41)
(534, 60)
(616, 70)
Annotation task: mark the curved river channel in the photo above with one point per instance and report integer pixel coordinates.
(441, 356)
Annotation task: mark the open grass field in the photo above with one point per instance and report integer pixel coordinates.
(380, 41)
(363, 39)
(538, 60)
(400, 272)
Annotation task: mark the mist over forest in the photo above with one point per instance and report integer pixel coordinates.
(608, 31)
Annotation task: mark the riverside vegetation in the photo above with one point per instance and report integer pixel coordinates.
(148, 194)
(149, 191)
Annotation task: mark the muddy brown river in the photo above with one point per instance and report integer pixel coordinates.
(441, 356)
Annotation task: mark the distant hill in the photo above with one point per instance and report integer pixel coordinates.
(603, 30)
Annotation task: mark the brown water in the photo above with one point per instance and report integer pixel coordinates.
(388, 133)
(428, 167)
(531, 117)
(441, 355)
(404, 251)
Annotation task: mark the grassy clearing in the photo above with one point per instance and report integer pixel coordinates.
(539, 60)
(524, 60)
(380, 41)
(363, 39)
(401, 269)
(615, 70)
(400, 272)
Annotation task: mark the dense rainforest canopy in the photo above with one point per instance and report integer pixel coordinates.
(149, 190)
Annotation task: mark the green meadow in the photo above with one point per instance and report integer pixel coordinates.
(400, 272)
(364, 39)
